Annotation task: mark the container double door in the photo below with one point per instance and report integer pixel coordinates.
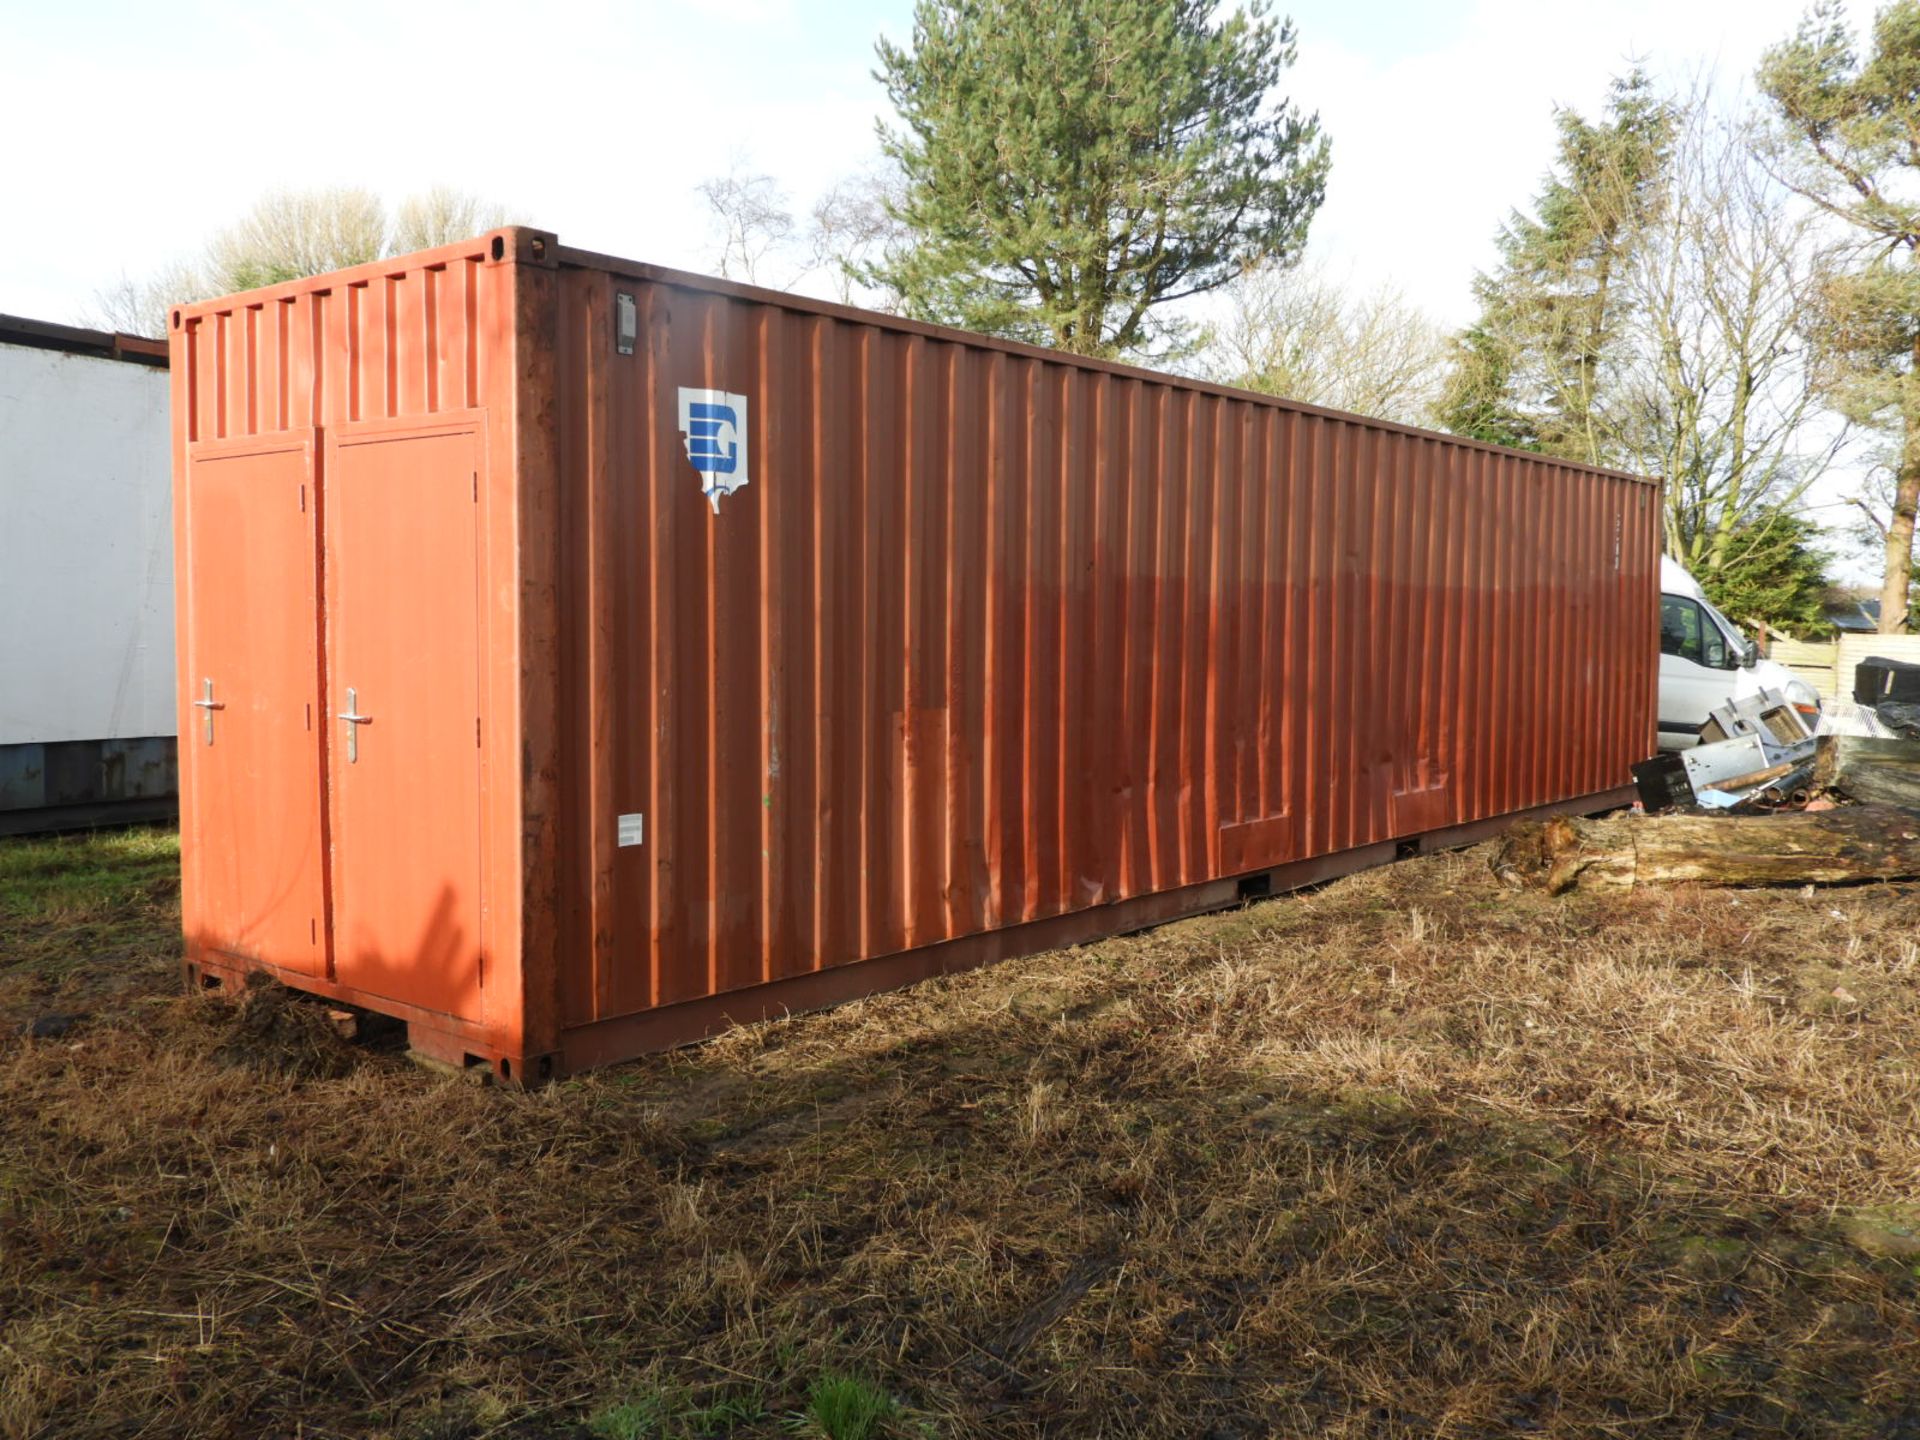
(334, 624)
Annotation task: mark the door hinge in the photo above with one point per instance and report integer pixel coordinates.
(303, 498)
(476, 487)
(476, 731)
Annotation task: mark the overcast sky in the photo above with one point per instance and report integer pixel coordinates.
(134, 130)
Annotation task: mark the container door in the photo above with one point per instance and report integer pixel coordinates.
(249, 736)
(403, 715)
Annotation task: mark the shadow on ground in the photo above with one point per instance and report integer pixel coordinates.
(1406, 1156)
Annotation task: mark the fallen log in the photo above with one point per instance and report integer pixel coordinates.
(1876, 772)
(1827, 847)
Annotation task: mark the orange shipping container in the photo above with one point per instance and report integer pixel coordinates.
(578, 656)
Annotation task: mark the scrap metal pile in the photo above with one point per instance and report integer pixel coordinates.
(1834, 805)
(1759, 754)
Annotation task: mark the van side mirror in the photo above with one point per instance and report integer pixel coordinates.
(1749, 654)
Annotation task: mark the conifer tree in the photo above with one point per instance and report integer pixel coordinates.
(1852, 129)
(1072, 166)
(1532, 370)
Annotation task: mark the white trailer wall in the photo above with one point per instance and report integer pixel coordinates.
(86, 548)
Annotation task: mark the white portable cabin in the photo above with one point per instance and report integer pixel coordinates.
(86, 579)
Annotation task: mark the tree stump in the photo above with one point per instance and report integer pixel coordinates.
(1879, 772)
(1828, 847)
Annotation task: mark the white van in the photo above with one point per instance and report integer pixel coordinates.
(1705, 661)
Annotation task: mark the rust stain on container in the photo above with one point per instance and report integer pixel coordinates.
(606, 654)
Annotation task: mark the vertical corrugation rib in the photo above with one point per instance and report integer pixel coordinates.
(812, 804)
(785, 546)
(351, 322)
(1043, 628)
(1162, 647)
(407, 353)
(830, 878)
(325, 392)
(1190, 809)
(1069, 621)
(1022, 883)
(1388, 511)
(603, 539)
(1346, 633)
(376, 310)
(1010, 684)
(739, 782)
(1511, 714)
(773, 713)
(1269, 610)
(655, 714)
(959, 484)
(869, 704)
(1394, 640)
(907, 569)
(886, 563)
(283, 358)
(470, 280)
(250, 373)
(1105, 812)
(432, 343)
(1429, 761)
(391, 338)
(700, 886)
(944, 781)
(1471, 740)
(973, 637)
(899, 810)
(221, 371)
(1135, 583)
(1234, 729)
(1453, 671)
(193, 369)
(1316, 697)
(927, 698)
(1218, 479)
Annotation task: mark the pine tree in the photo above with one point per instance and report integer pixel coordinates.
(1532, 371)
(1072, 166)
(1775, 573)
(1852, 126)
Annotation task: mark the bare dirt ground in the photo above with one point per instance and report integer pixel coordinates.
(1409, 1155)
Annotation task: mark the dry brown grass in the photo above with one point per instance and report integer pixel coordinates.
(1408, 1156)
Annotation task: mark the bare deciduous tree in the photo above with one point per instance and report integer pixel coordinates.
(852, 229)
(139, 307)
(1293, 331)
(748, 220)
(442, 215)
(1714, 389)
(291, 233)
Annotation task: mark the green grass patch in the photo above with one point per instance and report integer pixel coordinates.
(671, 1414)
(845, 1407)
(87, 877)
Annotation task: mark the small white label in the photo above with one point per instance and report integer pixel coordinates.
(632, 827)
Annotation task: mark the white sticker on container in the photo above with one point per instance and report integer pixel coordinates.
(631, 829)
(713, 425)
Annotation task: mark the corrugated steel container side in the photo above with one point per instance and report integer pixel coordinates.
(994, 636)
(997, 648)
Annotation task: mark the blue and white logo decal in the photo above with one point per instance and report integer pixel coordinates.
(714, 426)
